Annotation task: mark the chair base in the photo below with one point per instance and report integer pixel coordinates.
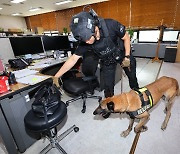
(83, 97)
(54, 141)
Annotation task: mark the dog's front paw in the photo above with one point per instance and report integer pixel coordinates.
(125, 133)
(142, 129)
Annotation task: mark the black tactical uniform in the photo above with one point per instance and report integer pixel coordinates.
(109, 49)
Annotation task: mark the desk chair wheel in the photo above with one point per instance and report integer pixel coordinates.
(76, 129)
(99, 100)
(67, 104)
(84, 109)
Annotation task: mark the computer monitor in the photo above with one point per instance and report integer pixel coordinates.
(150, 36)
(26, 45)
(171, 35)
(56, 43)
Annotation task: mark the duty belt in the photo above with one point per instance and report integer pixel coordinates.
(145, 104)
(115, 57)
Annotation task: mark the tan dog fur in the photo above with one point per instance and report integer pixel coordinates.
(130, 101)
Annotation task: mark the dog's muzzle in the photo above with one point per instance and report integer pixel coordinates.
(105, 114)
(98, 111)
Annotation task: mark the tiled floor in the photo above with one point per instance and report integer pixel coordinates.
(99, 136)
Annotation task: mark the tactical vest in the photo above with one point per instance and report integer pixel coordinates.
(105, 47)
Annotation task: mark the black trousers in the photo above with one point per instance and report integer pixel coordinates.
(109, 76)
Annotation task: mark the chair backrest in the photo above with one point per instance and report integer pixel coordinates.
(89, 64)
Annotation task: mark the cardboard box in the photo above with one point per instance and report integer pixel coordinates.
(14, 30)
(39, 30)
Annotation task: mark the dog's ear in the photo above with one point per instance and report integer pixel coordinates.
(110, 106)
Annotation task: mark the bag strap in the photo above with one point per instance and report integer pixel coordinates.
(42, 90)
(104, 27)
(56, 89)
(40, 93)
(45, 112)
(46, 118)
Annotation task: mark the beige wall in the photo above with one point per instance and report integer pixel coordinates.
(7, 22)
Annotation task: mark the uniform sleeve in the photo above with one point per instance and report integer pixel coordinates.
(120, 29)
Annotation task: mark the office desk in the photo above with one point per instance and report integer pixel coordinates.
(14, 105)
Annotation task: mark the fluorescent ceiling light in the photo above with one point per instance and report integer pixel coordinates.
(16, 14)
(1, 8)
(63, 2)
(35, 9)
(17, 1)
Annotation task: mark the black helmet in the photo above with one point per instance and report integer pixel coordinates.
(83, 26)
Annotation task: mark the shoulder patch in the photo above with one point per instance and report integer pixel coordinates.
(76, 20)
(121, 29)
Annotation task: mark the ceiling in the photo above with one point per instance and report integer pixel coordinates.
(9, 8)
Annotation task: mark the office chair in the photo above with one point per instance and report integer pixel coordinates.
(47, 126)
(83, 87)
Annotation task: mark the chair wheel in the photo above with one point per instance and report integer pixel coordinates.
(99, 100)
(83, 110)
(76, 129)
(67, 104)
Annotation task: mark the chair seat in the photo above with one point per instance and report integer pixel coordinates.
(38, 124)
(77, 86)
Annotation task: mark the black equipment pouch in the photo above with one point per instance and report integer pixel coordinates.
(47, 100)
(105, 47)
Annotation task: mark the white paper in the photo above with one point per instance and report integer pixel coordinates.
(31, 79)
(23, 73)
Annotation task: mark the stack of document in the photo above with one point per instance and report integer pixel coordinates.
(31, 79)
(27, 76)
(23, 73)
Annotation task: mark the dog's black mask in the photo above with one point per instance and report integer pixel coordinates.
(110, 106)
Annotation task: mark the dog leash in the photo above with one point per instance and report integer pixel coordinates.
(136, 138)
(133, 147)
(122, 74)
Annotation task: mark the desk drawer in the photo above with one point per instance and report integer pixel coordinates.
(14, 110)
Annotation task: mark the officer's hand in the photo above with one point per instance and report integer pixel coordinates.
(56, 81)
(126, 62)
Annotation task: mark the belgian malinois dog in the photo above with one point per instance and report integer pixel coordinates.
(130, 102)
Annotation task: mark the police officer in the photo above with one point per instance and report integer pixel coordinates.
(110, 42)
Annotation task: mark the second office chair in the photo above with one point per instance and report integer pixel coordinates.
(83, 87)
